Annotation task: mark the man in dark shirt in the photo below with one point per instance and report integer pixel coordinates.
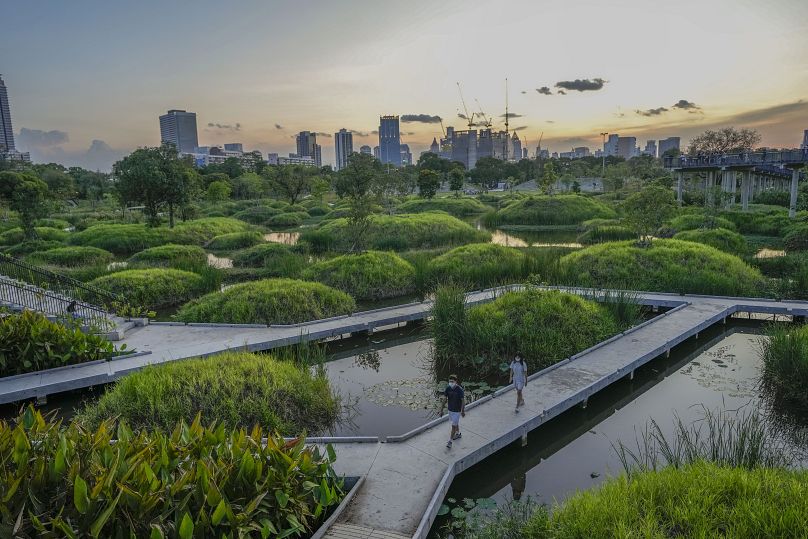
(456, 402)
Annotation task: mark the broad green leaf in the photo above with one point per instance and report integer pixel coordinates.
(186, 530)
(219, 513)
(80, 499)
(282, 498)
(98, 525)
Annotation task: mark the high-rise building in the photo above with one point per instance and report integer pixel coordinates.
(464, 147)
(406, 155)
(610, 146)
(434, 148)
(234, 147)
(524, 153)
(670, 143)
(650, 148)
(516, 147)
(804, 136)
(376, 152)
(343, 147)
(178, 127)
(366, 150)
(626, 147)
(6, 131)
(389, 141)
(307, 147)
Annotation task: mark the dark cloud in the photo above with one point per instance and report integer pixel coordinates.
(684, 104)
(524, 91)
(561, 92)
(544, 90)
(230, 127)
(278, 126)
(321, 134)
(359, 133)
(38, 138)
(408, 133)
(580, 85)
(520, 128)
(420, 118)
(512, 115)
(652, 112)
(374, 132)
(550, 121)
(462, 116)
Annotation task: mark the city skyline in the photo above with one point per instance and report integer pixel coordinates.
(114, 80)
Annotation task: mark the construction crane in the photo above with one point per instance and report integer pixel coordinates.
(538, 147)
(442, 129)
(469, 117)
(486, 120)
(507, 117)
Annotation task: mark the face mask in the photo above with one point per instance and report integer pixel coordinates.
(452, 384)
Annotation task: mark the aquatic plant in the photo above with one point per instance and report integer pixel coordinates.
(784, 352)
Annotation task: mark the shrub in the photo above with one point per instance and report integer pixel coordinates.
(796, 238)
(16, 235)
(666, 266)
(73, 256)
(458, 207)
(29, 342)
(720, 238)
(201, 231)
(152, 288)
(545, 326)
(257, 215)
(604, 233)
(121, 239)
(234, 240)
(319, 209)
(288, 219)
(700, 500)
(194, 482)
(551, 210)
(170, 255)
(695, 221)
(479, 265)
(270, 301)
(784, 353)
(367, 276)
(401, 232)
(236, 389)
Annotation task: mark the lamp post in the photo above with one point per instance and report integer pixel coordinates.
(603, 167)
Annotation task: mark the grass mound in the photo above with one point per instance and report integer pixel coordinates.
(764, 223)
(368, 276)
(402, 232)
(257, 215)
(796, 238)
(546, 326)
(695, 221)
(236, 389)
(234, 240)
(73, 256)
(44, 233)
(551, 210)
(458, 207)
(479, 265)
(720, 238)
(272, 256)
(201, 231)
(170, 255)
(152, 288)
(288, 219)
(121, 239)
(269, 301)
(31, 246)
(666, 266)
(604, 233)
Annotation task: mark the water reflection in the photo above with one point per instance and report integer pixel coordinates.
(502, 238)
(286, 238)
(219, 262)
(116, 265)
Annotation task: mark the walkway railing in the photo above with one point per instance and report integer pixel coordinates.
(758, 158)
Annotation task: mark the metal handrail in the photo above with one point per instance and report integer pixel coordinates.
(761, 157)
(16, 269)
(23, 295)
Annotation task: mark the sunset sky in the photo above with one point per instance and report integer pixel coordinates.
(88, 79)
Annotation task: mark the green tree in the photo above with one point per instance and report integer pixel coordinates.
(362, 183)
(292, 182)
(727, 140)
(248, 185)
(60, 183)
(647, 210)
(548, 178)
(155, 178)
(218, 191)
(487, 172)
(456, 178)
(27, 195)
(428, 183)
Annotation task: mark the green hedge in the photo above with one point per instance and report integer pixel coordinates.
(479, 265)
(288, 219)
(169, 255)
(458, 207)
(121, 239)
(73, 256)
(667, 266)
(189, 481)
(234, 240)
(402, 232)
(700, 500)
(16, 235)
(695, 221)
(720, 238)
(367, 276)
(270, 301)
(236, 389)
(201, 231)
(29, 342)
(551, 210)
(153, 288)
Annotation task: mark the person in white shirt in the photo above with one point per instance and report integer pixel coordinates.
(518, 378)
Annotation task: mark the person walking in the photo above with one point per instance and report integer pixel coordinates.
(518, 378)
(456, 402)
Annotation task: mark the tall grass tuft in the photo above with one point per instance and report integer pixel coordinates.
(784, 353)
(448, 325)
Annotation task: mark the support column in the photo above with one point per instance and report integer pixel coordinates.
(733, 186)
(792, 205)
(708, 187)
(680, 180)
(745, 181)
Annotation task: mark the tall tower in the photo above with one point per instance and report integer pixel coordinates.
(343, 147)
(434, 148)
(6, 131)
(307, 147)
(389, 141)
(804, 135)
(179, 128)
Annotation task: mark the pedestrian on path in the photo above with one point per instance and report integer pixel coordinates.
(518, 378)
(455, 399)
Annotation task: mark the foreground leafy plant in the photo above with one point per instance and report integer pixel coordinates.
(197, 481)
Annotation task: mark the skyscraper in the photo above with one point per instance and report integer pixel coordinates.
(343, 147)
(406, 155)
(610, 146)
(307, 147)
(516, 148)
(179, 128)
(434, 148)
(804, 136)
(626, 147)
(6, 131)
(670, 143)
(650, 148)
(389, 141)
